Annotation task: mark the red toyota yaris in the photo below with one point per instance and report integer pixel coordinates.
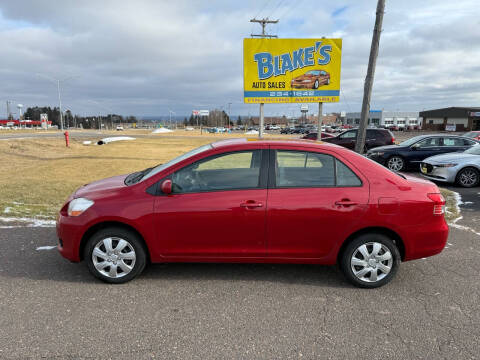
(256, 201)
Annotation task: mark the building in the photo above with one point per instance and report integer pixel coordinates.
(388, 119)
(452, 118)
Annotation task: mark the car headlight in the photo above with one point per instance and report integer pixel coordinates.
(77, 206)
(445, 165)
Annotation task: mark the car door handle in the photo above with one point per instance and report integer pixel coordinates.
(345, 202)
(251, 204)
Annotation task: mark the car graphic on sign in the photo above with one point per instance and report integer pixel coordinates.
(311, 80)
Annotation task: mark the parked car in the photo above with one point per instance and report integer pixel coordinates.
(314, 136)
(462, 168)
(311, 80)
(119, 128)
(374, 138)
(255, 201)
(409, 154)
(473, 135)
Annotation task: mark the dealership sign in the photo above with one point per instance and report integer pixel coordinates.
(291, 70)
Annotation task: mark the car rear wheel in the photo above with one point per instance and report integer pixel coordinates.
(396, 163)
(468, 177)
(115, 255)
(370, 261)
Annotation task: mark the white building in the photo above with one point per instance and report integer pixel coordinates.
(381, 118)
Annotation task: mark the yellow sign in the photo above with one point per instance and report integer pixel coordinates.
(291, 70)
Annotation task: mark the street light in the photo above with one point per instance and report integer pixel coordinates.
(57, 81)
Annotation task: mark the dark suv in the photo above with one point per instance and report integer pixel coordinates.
(374, 138)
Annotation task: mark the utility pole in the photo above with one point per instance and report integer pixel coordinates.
(367, 91)
(264, 23)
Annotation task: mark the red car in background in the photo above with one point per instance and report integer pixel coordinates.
(256, 202)
(473, 135)
(312, 79)
(314, 136)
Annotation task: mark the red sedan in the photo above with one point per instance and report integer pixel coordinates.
(256, 201)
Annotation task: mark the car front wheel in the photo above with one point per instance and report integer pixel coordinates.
(468, 177)
(370, 260)
(396, 163)
(315, 85)
(115, 255)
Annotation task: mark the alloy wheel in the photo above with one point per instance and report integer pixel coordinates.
(371, 262)
(395, 163)
(113, 257)
(468, 177)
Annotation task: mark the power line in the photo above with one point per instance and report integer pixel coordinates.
(278, 5)
(263, 8)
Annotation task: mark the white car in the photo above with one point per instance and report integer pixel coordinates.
(119, 128)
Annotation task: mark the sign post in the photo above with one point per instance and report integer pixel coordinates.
(291, 71)
(319, 121)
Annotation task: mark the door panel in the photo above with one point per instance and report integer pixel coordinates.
(217, 208)
(212, 224)
(306, 221)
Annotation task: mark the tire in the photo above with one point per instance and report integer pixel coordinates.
(396, 163)
(128, 262)
(468, 177)
(362, 273)
(315, 84)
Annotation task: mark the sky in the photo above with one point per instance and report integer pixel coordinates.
(149, 57)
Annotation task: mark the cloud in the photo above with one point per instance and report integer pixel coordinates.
(146, 57)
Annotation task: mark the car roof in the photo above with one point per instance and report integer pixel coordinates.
(272, 141)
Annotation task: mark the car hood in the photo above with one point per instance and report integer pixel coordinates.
(101, 186)
(303, 77)
(452, 157)
(385, 148)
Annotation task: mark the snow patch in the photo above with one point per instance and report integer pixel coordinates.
(252, 132)
(161, 131)
(40, 248)
(29, 222)
(112, 139)
(7, 210)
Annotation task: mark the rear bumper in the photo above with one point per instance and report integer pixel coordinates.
(425, 240)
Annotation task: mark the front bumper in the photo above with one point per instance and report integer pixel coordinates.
(378, 158)
(301, 85)
(70, 231)
(436, 173)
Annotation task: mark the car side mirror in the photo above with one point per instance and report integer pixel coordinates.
(415, 147)
(166, 187)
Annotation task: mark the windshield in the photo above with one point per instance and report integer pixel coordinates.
(313, 72)
(474, 150)
(162, 167)
(411, 141)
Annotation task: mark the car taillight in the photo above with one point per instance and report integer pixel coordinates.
(439, 203)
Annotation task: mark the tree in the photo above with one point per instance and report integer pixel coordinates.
(239, 121)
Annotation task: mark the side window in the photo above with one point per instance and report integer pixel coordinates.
(349, 135)
(304, 169)
(231, 171)
(429, 142)
(468, 142)
(345, 176)
(453, 142)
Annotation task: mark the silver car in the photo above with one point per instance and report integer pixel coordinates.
(462, 168)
